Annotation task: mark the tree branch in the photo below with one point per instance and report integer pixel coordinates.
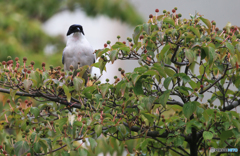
(233, 105)
(39, 94)
(214, 82)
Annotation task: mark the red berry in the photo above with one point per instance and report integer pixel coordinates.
(24, 59)
(124, 42)
(141, 37)
(150, 16)
(1, 146)
(29, 154)
(201, 86)
(105, 45)
(173, 10)
(156, 10)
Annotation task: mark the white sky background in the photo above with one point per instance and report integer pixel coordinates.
(100, 29)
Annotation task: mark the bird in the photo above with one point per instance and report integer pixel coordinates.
(78, 51)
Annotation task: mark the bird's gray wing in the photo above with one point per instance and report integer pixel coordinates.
(94, 58)
(63, 56)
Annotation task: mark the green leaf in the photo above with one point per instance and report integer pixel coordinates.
(122, 129)
(178, 141)
(49, 142)
(27, 83)
(169, 71)
(26, 111)
(150, 117)
(98, 129)
(102, 65)
(35, 111)
(123, 88)
(37, 78)
(104, 89)
(113, 55)
(164, 98)
(151, 72)
(83, 70)
(189, 35)
(141, 69)
(167, 82)
(189, 108)
(203, 53)
(184, 90)
(136, 34)
(21, 147)
(189, 54)
(164, 50)
(138, 89)
(99, 53)
(236, 124)
(230, 48)
(13, 93)
(192, 84)
(93, 143)
(238, 47)
(97, 65)
(186, 78)
(195, 31)
(67, 141)
(188, 128)
(88, 92)
(61, 122)
(146, 28)
(207, 135)
(37, 147)
(82, 151)
(225, 135)
(211, 55)
(148, 102)
(158, 67)
(197, 124)
(135, 77)
(78, 83)
(169, 20)
(199, 111)
(218, 39)
(207, 22)
(125, 48)
(67, 93)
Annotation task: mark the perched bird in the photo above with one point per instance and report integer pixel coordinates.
(78, 51)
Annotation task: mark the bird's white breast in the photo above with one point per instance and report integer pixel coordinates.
(78, 49)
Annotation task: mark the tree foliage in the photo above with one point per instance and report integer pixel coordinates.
(162, 104)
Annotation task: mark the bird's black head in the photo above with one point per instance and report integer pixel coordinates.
(75, 28)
